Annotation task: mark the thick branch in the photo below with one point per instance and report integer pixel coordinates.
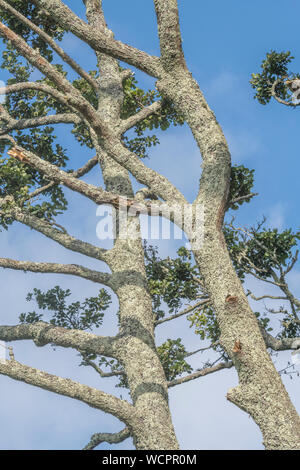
(88, 166)
(18, 87)
(169, 34)
(64, 239)
(67, 387)
(98, 40)
(14, 124)
(98, 195)
(35, 58)
(20, 124)
(71, 269)
(282, 344)
(43, 333)
(74, 97)
(51, 43)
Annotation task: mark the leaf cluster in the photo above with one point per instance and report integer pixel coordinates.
(171, 281)
(38, 17)
(273, 67)
(241, 183)
(79, 315)
(261, 251)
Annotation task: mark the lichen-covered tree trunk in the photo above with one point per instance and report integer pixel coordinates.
(260, 392)
(151, 425)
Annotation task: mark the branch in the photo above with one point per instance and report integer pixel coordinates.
(282, 344)
(64, 239)
(140, 116)
(110, 438)
(98, 195)
(201, 349)
(280, 100)
(18, 87)
(71, 269)
(284, 287)
(241, 198)
(43, 333)
(169, 34)
(51, 43)
(263, 279)
(156, 182)
(273, 297)
(201, 373)
(14, 124)
(67, 387)
(292, 263)
(183, 312)
(99, 370)
(88, 166)
(33, 56)
(99, 41)
(74, 97)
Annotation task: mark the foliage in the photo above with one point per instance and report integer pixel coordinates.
(241, 183)
(274, 67)
(260, 250)
(41, 19)
(18, 179)
(204, 321)
(79, 315)
(290, 328)
(172, 354)
(135, 99)
(171, 281)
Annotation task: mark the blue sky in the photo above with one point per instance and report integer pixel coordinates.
(224, 43)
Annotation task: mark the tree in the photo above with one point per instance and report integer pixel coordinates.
(103, 105)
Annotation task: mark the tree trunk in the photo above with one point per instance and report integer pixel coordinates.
(260, 392)
(151, 426)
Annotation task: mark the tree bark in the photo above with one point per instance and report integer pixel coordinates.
(260, 392)
(151, 427)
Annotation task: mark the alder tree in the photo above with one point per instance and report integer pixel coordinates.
(111, 116)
